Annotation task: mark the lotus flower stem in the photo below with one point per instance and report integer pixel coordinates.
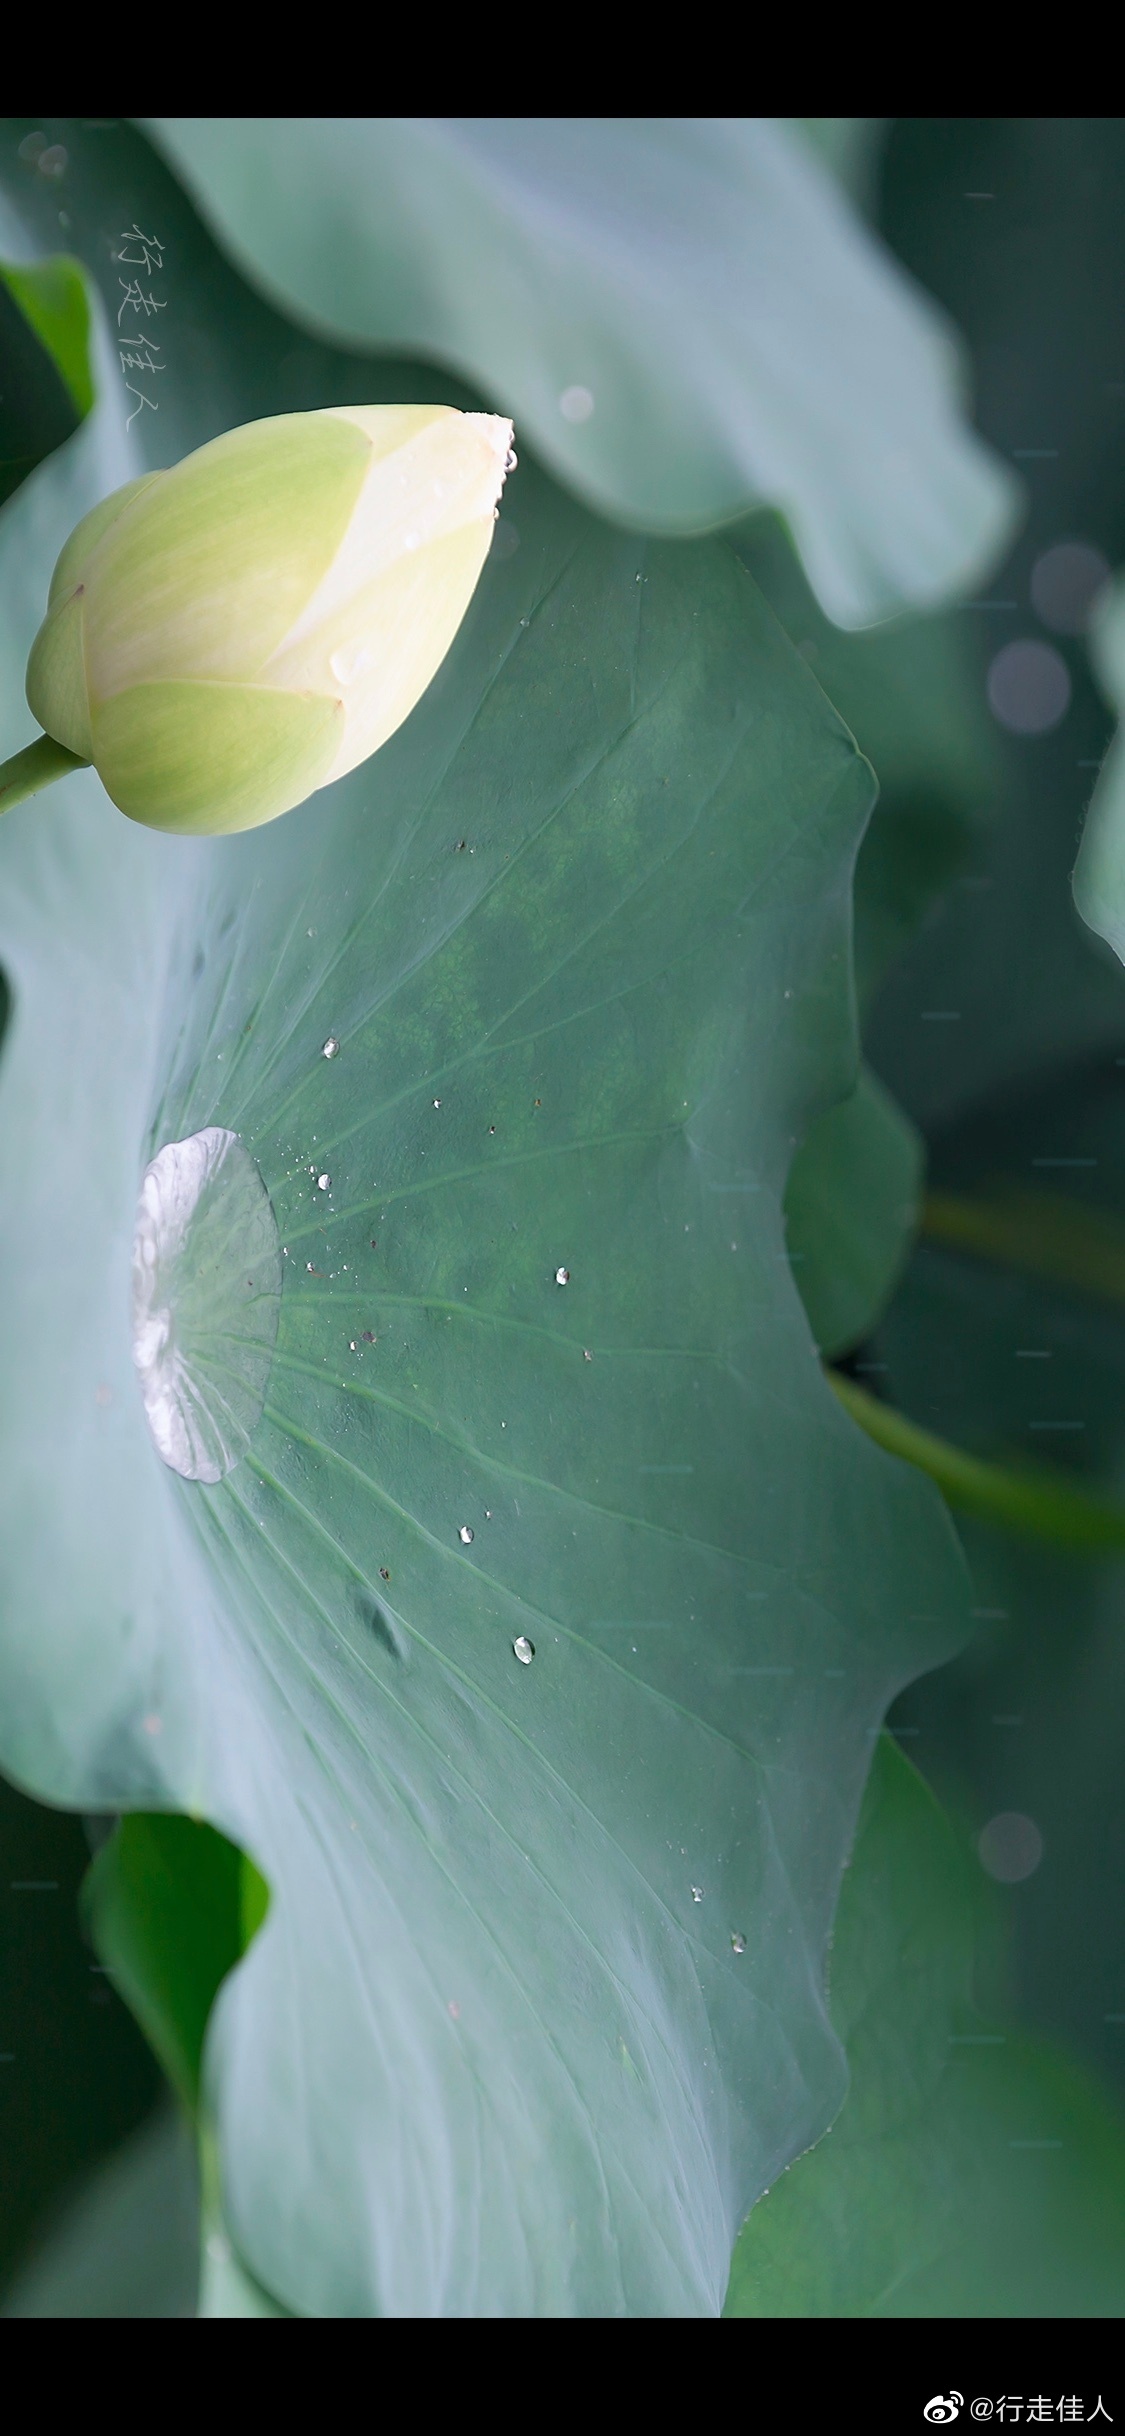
(1044, 1234)
(37, 766)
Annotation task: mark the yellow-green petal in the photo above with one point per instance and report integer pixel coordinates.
(204, 758)
(56, 678)
(203, 576)
(76, 553)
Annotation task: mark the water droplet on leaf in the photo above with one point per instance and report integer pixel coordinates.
(203, 1337)
(524, 1649)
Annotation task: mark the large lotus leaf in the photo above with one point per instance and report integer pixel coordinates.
(972, 2172)
(538, 2006)
(686, 316)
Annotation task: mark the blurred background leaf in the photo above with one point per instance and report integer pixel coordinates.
(127, 2244)
(1011, 1364)
(972, 2172)
(1099, 879)
(685, 317)
(1014, 226)
(76, 2076)
(1001, 1030)
(45, 380)
(173, 1906)
(851, 1207)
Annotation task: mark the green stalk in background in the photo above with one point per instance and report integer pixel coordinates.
(1033, 1499)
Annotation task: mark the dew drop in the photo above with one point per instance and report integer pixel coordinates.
(524, 1649)
(331, 1047)
(465, 1535)
(737, 1942)
(437, 1103)
(384, 1576)
(697, 1894)
(324, 1184)
(562, 1277)
(203, 1338)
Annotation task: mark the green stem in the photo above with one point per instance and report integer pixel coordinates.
(1035, 1500)
(37, 766)
(1041, 1233)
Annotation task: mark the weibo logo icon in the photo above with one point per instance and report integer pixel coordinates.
(943, 2407)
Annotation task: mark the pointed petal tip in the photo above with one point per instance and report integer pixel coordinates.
(498, 431)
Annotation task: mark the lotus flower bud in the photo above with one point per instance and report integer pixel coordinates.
(226, 637)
